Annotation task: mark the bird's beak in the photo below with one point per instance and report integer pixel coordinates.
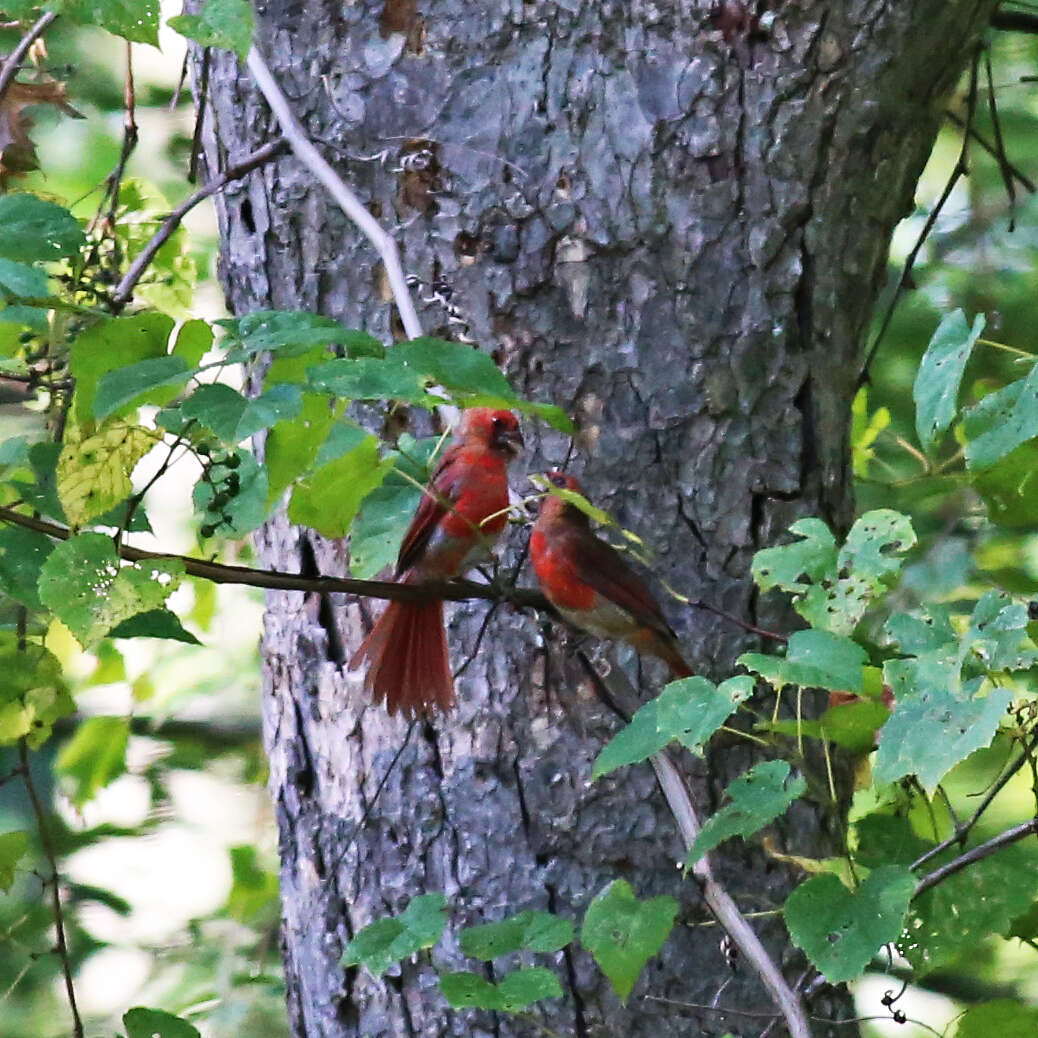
(510, 440)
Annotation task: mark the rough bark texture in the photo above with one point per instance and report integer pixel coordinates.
(673, 223)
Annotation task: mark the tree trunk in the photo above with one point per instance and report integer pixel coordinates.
(672, 221)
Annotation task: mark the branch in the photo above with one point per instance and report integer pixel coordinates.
(60, 946)
(350, 204)
(621, 696)
(14, 59)
(979, 853)
(1015, 21)
(124, 290)
(273, 580)
(1022, 177)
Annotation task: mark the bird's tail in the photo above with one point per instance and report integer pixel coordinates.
(408, 665)
(663, 647)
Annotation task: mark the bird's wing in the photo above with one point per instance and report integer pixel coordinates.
(438, 495)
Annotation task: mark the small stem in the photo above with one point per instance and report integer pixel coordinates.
(14, 59)
(1008, 349)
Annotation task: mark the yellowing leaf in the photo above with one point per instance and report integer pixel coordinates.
(94, 470)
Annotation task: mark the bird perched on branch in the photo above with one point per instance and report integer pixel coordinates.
(462, 511)
(591, 585)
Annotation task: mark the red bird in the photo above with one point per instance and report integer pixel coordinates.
(462, 511)
(590, 584)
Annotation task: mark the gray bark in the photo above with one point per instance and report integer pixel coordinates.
(675, 229)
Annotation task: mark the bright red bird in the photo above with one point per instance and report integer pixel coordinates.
(459, 517)
(591, 585)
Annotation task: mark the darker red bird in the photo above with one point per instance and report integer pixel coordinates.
(591, 585)
(459, 517)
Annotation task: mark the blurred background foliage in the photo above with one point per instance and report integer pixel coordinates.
(171, 866)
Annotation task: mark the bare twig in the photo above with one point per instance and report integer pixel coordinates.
(1000, 148)
(975, 854)
(60, 945)
(623, 698)
(350, 204)
(1025, 181)
(451, 591)
(962, 831)
(196, 137)
(960, 169)
(124, 290)
(698, 603)
(14, 60)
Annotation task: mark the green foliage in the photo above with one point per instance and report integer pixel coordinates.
(95, 756)
(154, 1023)
(518, 991)
(221, 23)
(33, 229)
(753, 800)
(623, 933)
(388, 940)
(13, 847)
(33, 694)
(840, 930)
(689, 710)
(1004, 1017)
(814, 659)
(530, 930)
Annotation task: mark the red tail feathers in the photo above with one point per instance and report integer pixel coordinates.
(408, 663)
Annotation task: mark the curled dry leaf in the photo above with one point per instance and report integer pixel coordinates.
(17, 150)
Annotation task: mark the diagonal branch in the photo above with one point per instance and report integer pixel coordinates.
(124, 290)
(621, 697)
(351, 205)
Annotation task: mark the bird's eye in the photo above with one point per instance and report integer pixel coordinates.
(559, 481)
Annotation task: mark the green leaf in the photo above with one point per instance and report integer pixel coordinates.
(466, 372)
(13, 846)
(328, 499)
(34, 229)
(32, 694)
(623, 933)
(16, 279)
(930, 730)
(1001, 422)
(921, 632)
(386, 513)
(285, 332)
(156, 623)
(852, 725)
(126, 388)
(814, 659)
(254, 891)
(997, 628)
(194, 340)
(135, 20)
(112, 344)
(221, 23)
(840, 930)
(154, 1023)
(946, 921)
(516, 992)
(1009, 488)
(689, 710)
(95, 756)
(794, 567)
(386, 941)
(22, 555)
(233, 417)
(534, 930)
(1004, 1017)
(754, 799)
(292, 445)
(937, 382)
(370, 378)
(90, 592)
(242, 512)
(874, 543)
(93, 472)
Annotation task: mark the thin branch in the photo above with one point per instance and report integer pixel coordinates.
(698, 603)
(61, 947)
(196, 136)
(962, 831)
(960, 169)
(1024, 180)
(975, 854)
(1000, 148)
(14, 59)
(273, 580)
(350, 204)
(1015, 21)
(124, 290)
(623, 698)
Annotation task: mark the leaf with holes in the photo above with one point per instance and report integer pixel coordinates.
(814, 659)
(623, 933)
(937, 382)
(532, 930)
(689, 710)
(1001, 422)
(94, 470)
(754, 799)
(389, 940)
(134, 20)
(839, 929)
(91, 592)
(518, 991)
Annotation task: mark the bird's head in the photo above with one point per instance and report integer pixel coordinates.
(494, 428)
(554, 506)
